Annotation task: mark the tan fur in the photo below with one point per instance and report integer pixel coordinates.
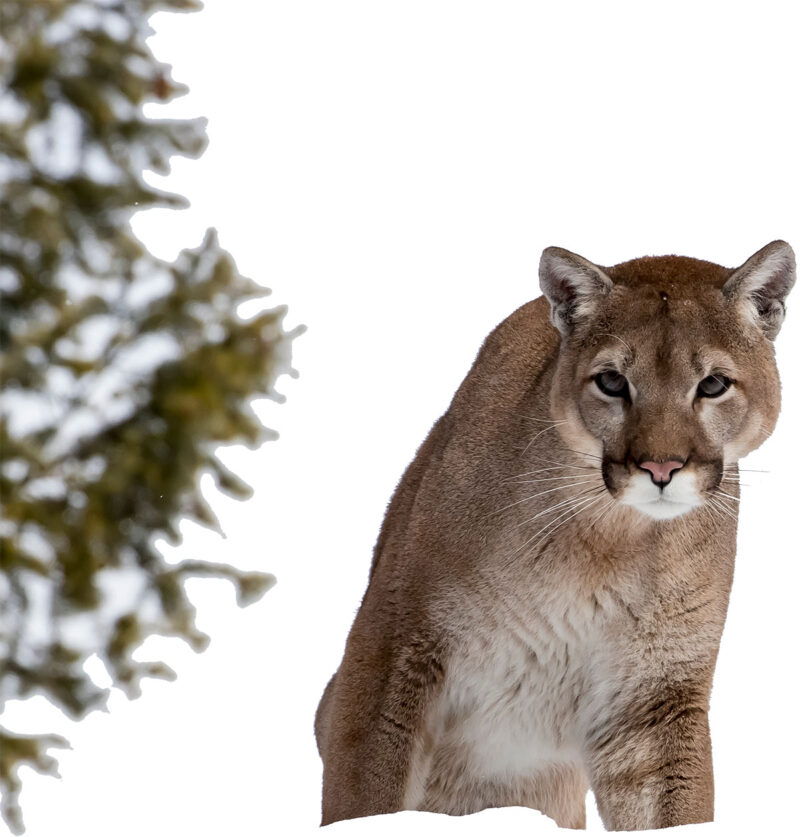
(540, 617)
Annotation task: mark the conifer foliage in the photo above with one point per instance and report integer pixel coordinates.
(119, 372)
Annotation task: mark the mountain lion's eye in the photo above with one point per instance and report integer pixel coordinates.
(612, 383)
(713, 386)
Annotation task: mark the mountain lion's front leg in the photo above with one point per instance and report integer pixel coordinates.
(375, 723)
(651, 766)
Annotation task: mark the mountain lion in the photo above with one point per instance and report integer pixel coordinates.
(550, 584)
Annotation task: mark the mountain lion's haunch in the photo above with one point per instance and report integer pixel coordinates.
(550, 584)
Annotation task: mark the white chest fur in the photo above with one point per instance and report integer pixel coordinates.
(510, 702)
(513, 696)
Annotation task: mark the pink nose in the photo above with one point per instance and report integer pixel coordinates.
(661, 472)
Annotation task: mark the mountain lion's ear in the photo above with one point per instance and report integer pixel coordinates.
(572, 286)
(761, 284)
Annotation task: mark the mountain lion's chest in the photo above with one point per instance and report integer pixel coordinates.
(514, 693)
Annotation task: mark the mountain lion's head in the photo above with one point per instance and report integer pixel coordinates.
(666, 372)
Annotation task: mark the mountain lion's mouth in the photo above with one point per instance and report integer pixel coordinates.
(678, 497)
(662, 508)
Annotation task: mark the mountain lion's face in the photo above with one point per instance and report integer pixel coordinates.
(667, 372)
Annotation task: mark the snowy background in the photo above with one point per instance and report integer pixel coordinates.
(392, 171)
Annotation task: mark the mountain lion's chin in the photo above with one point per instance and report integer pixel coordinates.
(663, 509)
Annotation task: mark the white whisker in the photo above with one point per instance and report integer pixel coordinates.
(582, 506)
(716, 504)
(549, 479)
(597, 517)
(563, 503)
(548, 524)
(539, 434)
(540, 494)
(541, 471)
(725, 505)
(729, 496)
(565, 465)
(583, 453)
(616, 337)
(555, 520)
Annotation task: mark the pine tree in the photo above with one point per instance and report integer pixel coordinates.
(119, 372)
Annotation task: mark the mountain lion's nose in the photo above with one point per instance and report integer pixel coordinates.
(661, 472)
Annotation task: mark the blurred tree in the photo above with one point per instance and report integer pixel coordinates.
(119, 373)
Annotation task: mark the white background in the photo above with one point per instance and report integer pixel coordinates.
(393, 170)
